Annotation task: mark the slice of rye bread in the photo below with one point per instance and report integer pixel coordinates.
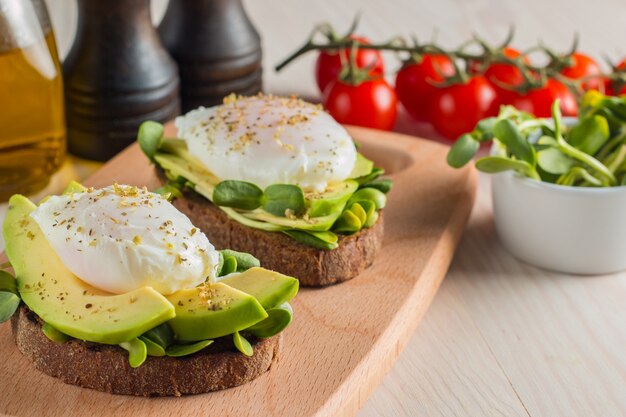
(279, 252)
(105, 367)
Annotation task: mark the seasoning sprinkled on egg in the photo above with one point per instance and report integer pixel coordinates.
(267, 139)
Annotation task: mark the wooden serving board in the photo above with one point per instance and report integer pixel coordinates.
(343, 338)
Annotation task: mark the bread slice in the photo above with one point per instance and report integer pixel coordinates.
(105, 367)
(279, 252)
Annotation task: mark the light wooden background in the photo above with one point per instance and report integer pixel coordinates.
(501, 338)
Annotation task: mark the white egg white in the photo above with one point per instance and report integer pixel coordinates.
(121, 238)
(268, 140)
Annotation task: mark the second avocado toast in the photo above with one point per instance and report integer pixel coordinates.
(276, 177)
(115, 290)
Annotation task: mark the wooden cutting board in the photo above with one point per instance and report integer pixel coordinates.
(343, 338)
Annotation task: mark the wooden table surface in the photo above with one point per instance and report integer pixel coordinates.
(501, 338)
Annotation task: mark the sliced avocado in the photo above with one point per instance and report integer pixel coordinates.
(68, 304)
(362, 166)
(74, 187)
(316, 224)
(213, 310)
(175, 146)
(332, 199)
(189, 169)
(269, 287)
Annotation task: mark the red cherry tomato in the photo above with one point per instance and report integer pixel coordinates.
(329, 63)
(503, 73)
(499, 74)
(584, 66)
(456, 109)
(620, 92)
(539, 101)
(370, 104)
(609, 89)
(414, 83)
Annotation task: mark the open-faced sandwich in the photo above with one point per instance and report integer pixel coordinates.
(278, 178)
(116, 290)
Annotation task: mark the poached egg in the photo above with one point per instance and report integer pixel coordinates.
(121, 238)
(266, 140)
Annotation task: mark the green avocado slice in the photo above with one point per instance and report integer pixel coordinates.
(68, 304)
(332, 200)
(189, 169)
(362, 166)
(270, 288)
(315, 224)
(213, 310)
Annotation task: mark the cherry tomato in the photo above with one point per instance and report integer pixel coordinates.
(584, 66)
(456, 109)
(503, 73)
(370, 104)
(414, 83)
(609, 89)
(539, 101)
(499, 74)
(329, 63)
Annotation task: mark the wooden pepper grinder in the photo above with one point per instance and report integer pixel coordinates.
(217, 49)
(117, 75)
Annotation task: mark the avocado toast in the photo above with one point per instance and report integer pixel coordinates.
(116, 290)
(278, 178)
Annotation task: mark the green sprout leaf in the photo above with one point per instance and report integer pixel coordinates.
(282, 197)
(178, 351)
(590, 134)
(244, 260)
(238, 194)
(137, 352)
(7, 282)
(242, 344)
(577, 154)
(462, 151)
(229, 266)
(348, 222)
(484, 129)
(152, 347)
(53, 334)
(378, 197)
(150, 136)
(384, 184)
(8, 305)
(278, 318)
(170, 191)
(553, 161)
(359, 212)
(161, 335)
(496, 164)
(507, 133)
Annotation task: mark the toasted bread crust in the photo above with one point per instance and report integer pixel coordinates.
(279, 252)
(105, 367)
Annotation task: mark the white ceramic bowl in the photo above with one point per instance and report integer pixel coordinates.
(575, 230)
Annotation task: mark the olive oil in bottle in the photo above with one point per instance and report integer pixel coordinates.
(32, 121)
